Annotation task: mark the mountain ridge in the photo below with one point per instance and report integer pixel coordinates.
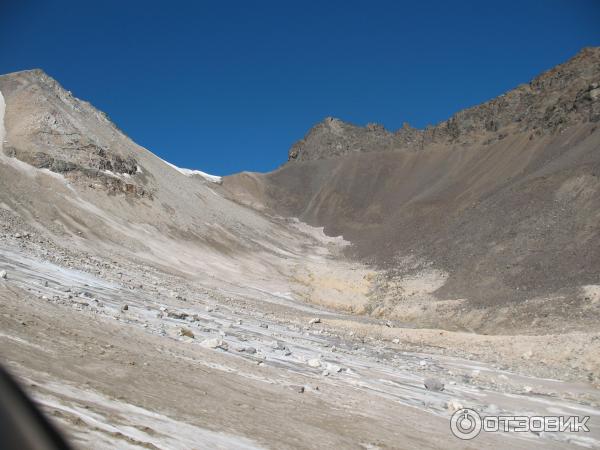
(532, 106)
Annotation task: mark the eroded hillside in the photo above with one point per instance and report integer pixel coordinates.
(487, 221)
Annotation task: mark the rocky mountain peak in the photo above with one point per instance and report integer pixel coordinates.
(49, 128)
(334, 137)
(565, 95)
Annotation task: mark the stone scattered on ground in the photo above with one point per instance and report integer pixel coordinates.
(333, 368)
(178, 315)
(433, 384)
(215, 343)
(454, 405)
(249, 350)
(314, 362)
(186, 332)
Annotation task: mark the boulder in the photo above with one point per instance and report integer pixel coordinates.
(433, 384)
(186, 332)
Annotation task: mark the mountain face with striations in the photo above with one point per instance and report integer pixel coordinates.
(550, 103)
(71, 175)
(486, 221)
(53, 130)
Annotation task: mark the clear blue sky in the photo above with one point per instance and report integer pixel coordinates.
(227, 86)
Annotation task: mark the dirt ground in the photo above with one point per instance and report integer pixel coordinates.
(128, 378)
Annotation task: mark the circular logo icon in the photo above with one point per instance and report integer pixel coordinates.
(465, 424)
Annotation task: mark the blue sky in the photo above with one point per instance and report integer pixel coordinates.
(228, 86)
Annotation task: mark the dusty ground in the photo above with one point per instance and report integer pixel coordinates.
(128, 378)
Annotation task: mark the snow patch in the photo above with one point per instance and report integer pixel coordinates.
(110, 173)
(190, 172)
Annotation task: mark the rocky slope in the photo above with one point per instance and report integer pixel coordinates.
(70, 175)
(50, 129)
(487, 221)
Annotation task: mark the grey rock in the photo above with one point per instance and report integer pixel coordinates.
(433, 384)
(178, 315)
(278, 345)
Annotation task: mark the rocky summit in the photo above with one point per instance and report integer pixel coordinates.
(555, 100)
(356, 297)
